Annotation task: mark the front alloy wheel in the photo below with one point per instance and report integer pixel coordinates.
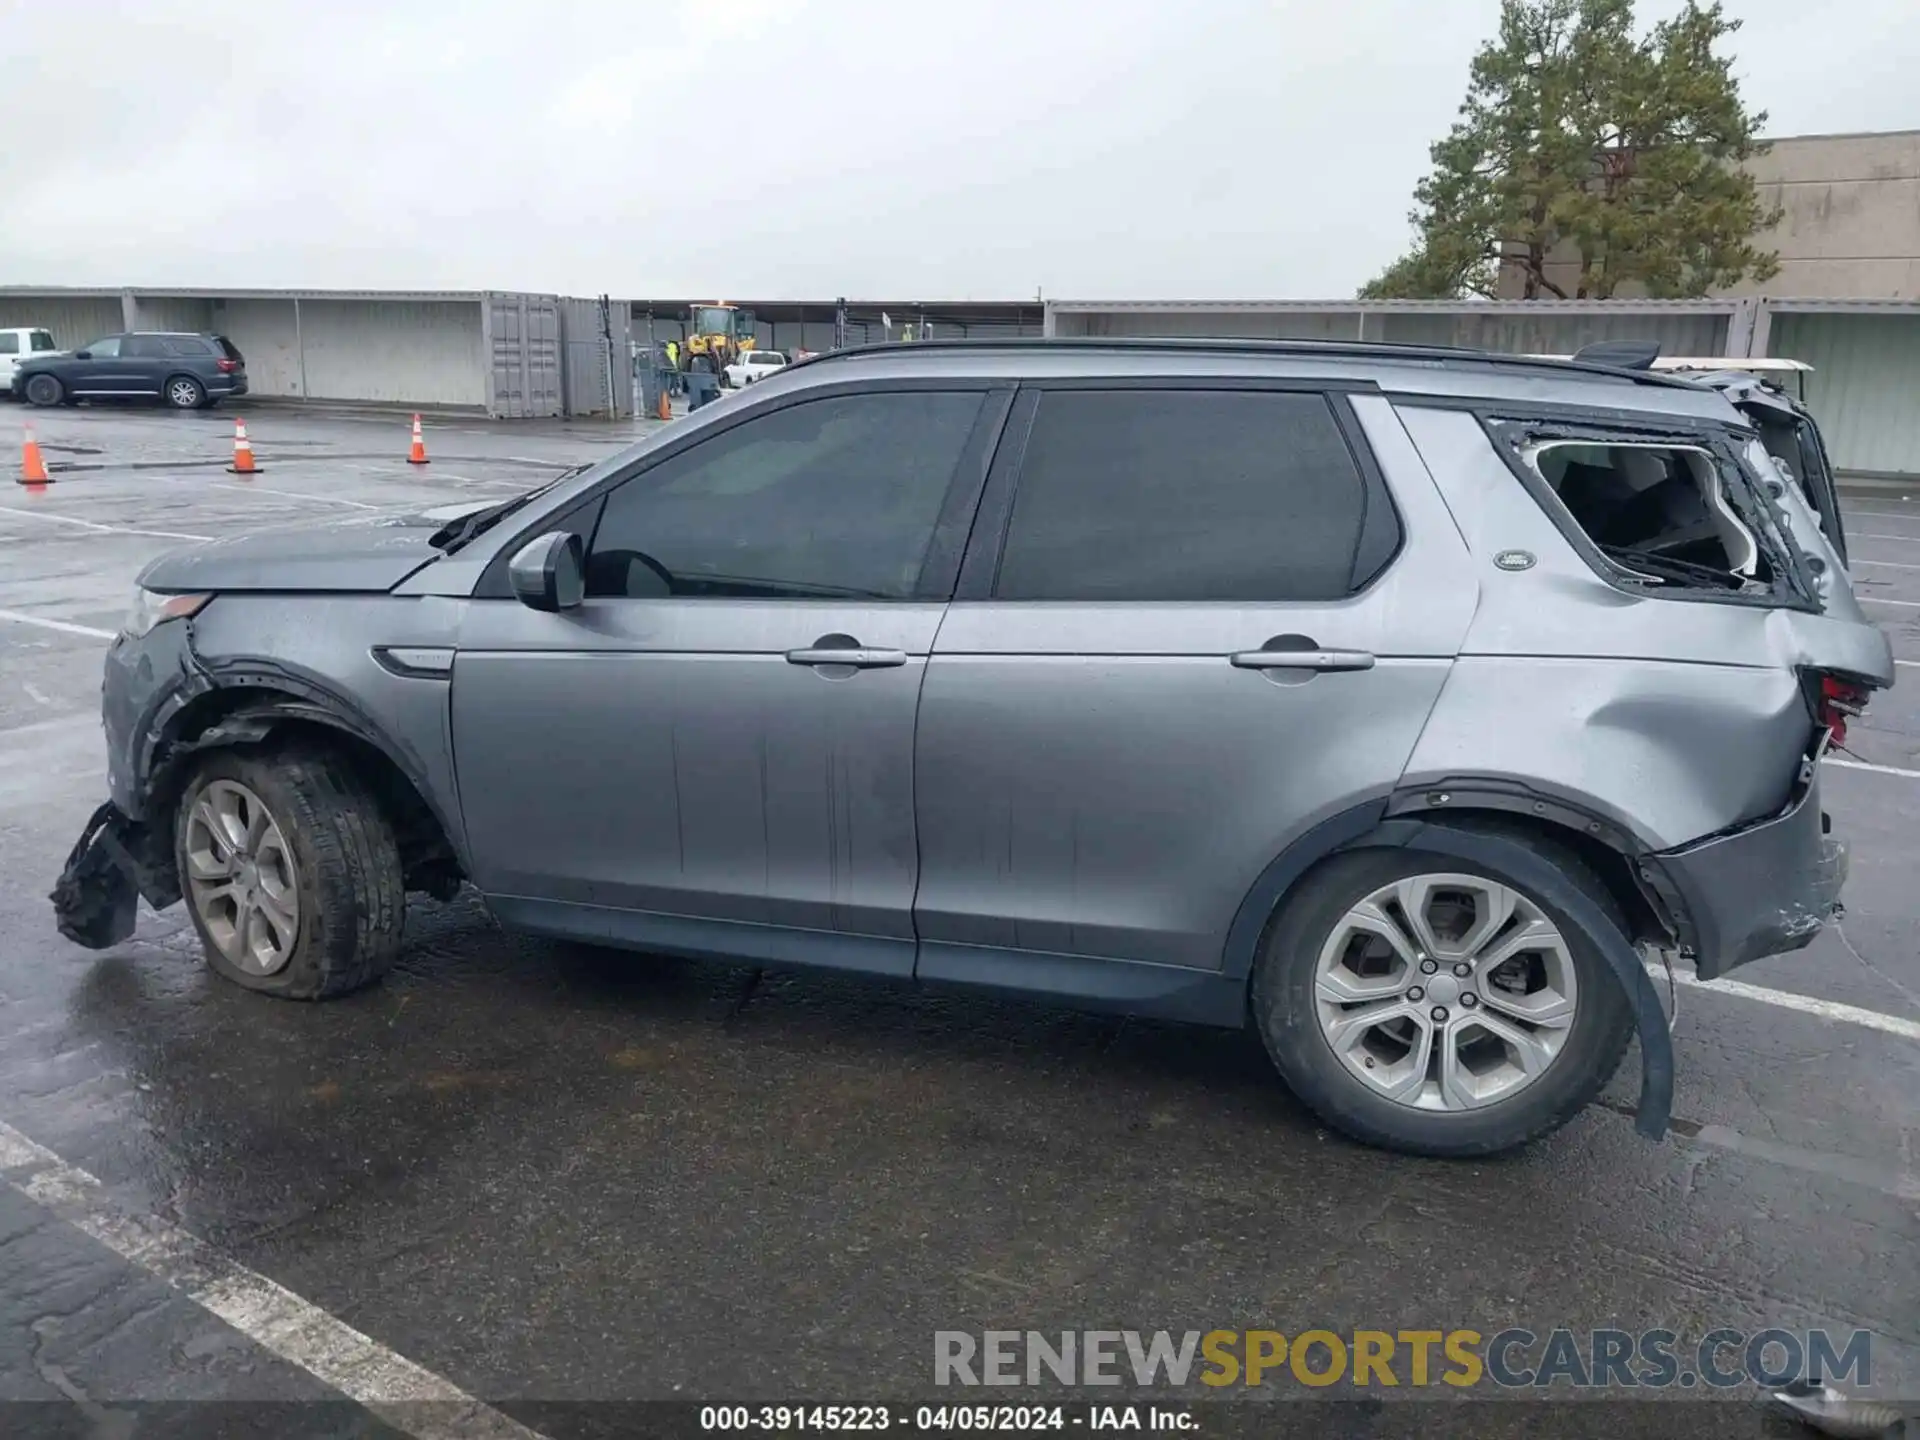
(1446, 992)
(290, 869)
(241, 878)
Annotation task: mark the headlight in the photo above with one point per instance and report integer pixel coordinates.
(151, 608)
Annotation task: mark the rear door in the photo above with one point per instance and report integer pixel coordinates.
(12, 343)
(1193, 622)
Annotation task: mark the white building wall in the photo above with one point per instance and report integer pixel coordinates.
(1866, 375)
(263, 330)
(171, 312)
(73, 319)
(391, 352)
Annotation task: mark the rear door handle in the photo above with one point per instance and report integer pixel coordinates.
(1302, 660)
(858, 659)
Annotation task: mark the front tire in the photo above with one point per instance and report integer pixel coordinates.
(1436, 1008)
(290, 871)
(45, 391)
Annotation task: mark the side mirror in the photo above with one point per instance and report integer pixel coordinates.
(549, 573)
(83, 354)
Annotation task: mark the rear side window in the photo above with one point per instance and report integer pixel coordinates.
(1171, 495)
(188, 347)
(143, 347)
(9, 343)
(41, 340)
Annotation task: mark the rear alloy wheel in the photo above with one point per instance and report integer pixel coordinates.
(291, 872)
(1446, 992)
(186, 393)
(1438, 1010)
(45, 390)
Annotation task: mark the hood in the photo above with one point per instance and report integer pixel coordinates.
(369, 553)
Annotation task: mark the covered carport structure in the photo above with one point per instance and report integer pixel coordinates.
(490, 352)
(810, 324)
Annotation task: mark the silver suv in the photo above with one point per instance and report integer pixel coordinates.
(1398, 703)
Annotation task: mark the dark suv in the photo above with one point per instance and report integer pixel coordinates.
(185, 370)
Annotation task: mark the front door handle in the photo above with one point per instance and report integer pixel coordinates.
(855, 657)
(1301, 660)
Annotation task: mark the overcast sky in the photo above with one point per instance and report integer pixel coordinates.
(783, 148)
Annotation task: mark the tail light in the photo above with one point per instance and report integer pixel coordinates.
(226, 367)
(1839, 701)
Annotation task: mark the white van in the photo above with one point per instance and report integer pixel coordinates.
(18, 343)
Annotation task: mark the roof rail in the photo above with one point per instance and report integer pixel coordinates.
(1324, 349)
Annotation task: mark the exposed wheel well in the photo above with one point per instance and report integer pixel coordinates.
(253, 717)
(1645, 918)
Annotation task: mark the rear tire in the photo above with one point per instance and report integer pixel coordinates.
(1481, 1081)
(46, 391)
(299, 826)
(183, 392)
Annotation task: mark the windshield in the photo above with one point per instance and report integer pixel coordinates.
(713, 320)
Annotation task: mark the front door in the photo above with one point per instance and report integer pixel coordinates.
(1207, 629)
(714, 754)
(104, 371)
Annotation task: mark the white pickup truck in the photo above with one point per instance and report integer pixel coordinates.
(19, 343)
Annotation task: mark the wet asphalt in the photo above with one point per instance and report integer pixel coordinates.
(554, 1174)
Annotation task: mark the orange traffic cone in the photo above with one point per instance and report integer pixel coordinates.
(666, 405)
(33, 470)
(417, 455)
(243, 463)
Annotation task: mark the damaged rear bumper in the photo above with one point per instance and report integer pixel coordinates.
(110, 868)
(1764, 889)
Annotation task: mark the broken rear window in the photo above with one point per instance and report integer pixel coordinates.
(1665, 513)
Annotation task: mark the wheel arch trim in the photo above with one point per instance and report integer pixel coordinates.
(284, 693)
(1372, 825)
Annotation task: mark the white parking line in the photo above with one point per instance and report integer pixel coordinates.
(97, 526)
(1876, 600)
(1905, 539)
(1882, 514)
(1887, 564)
(293, 494)
(1876, 769)
(65, 627)
(1806, 1004)
(407, 1396)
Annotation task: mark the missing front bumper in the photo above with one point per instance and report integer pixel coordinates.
(109, 869)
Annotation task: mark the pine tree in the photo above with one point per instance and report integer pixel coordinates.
(1580, 141)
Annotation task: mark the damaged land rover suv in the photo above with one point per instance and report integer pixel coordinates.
(1397, 703)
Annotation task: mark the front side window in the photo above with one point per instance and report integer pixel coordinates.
(1172, 495)
(828, 498)
(107, 349)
